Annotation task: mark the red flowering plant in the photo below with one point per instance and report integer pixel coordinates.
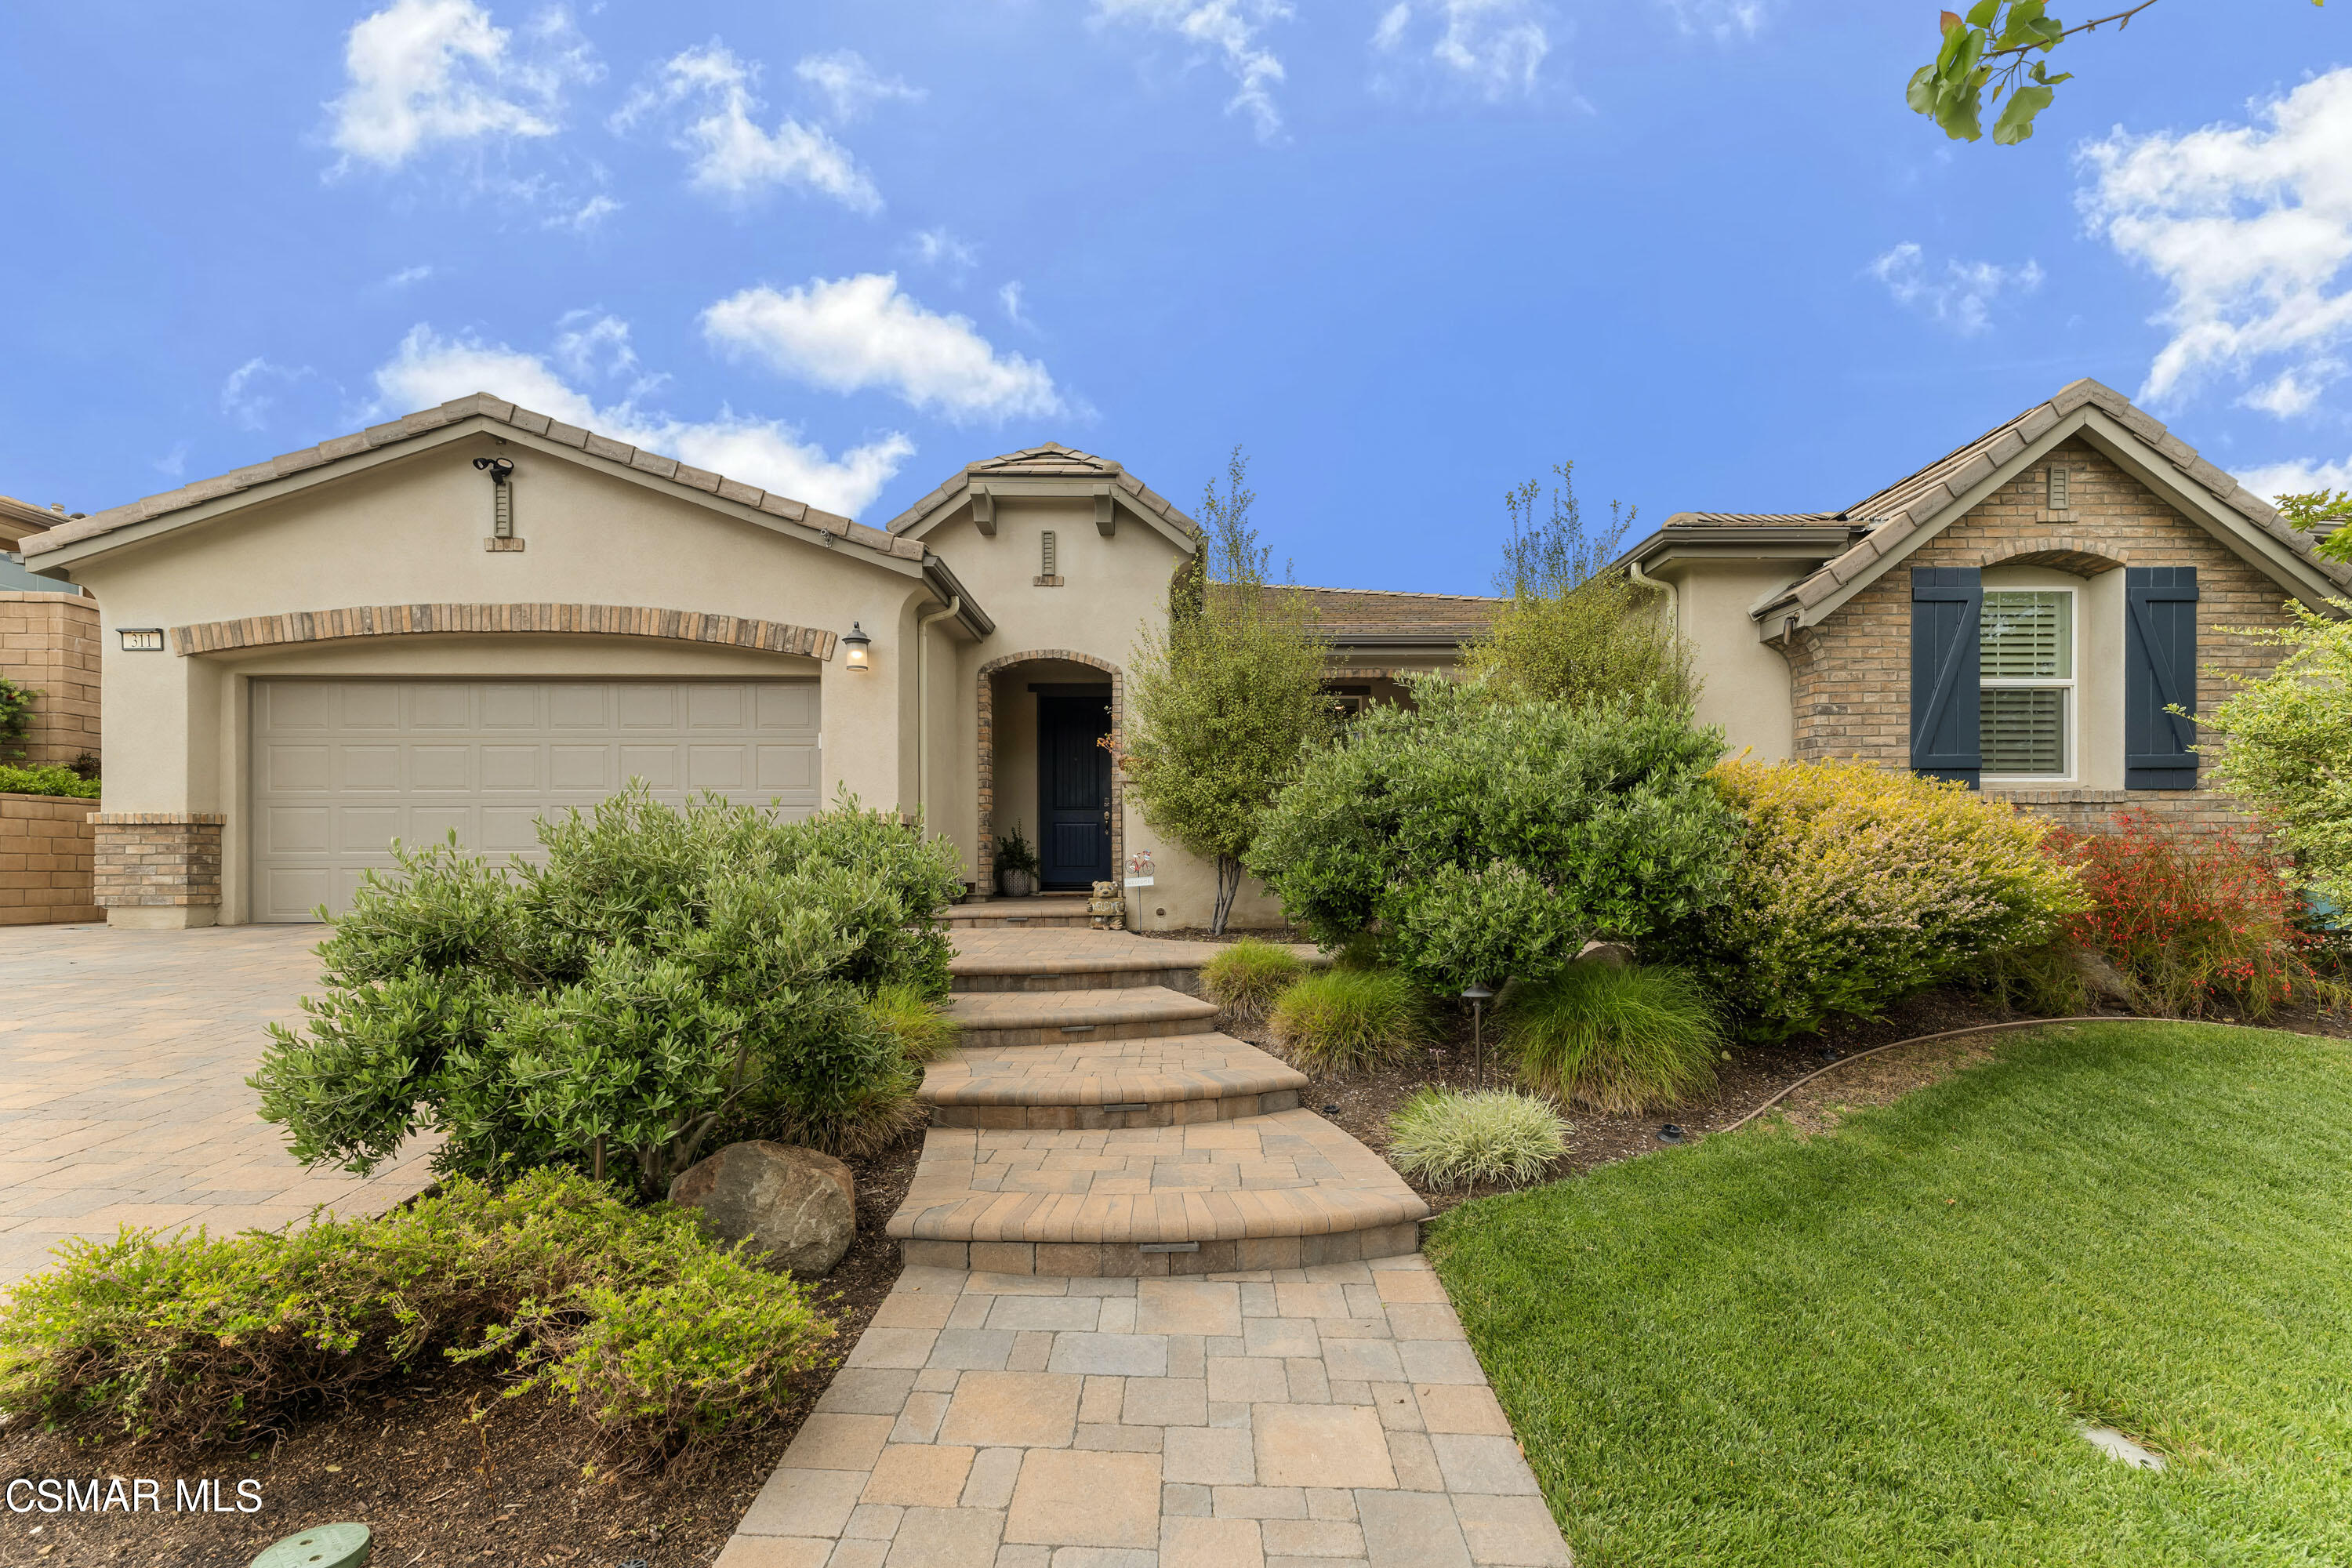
(2195, 921)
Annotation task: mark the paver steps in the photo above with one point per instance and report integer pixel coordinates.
(1094, 1122)
(1042, 909)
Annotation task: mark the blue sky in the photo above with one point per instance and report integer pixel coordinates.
(1408, 254)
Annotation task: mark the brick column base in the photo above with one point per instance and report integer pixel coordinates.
(158, 870)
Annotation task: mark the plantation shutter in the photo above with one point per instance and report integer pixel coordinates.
(1946, 603)
(2159, 672)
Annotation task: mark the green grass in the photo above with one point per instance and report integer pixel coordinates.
(1619, 1041)
(1876, 1347)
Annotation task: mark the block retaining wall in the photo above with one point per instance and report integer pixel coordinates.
(45, 858)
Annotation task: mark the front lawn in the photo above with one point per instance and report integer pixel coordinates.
(1878, 1346)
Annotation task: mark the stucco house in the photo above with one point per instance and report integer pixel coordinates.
(2019, 614)
(466, 619)
(463, 619)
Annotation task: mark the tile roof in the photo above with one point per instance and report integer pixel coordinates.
(1894, 513)
(1051, 461)
(1369, 614)
(479, 404)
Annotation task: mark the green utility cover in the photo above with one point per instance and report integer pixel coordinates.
(325, 1546)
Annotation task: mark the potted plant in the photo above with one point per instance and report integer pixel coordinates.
(1016, 866)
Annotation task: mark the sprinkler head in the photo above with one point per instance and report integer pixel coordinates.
(1670, 1133)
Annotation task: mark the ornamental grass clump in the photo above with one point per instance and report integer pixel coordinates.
(1244, 978)
(1343, 1020)
(656, 1336)
(1857, 885)
(1446, 1138)
(2194, 922)
(1621, 1040)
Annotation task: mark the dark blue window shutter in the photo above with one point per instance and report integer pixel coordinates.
(1946, 603)
(2159, 673)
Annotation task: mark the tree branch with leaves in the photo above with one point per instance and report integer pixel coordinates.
(2002, 44)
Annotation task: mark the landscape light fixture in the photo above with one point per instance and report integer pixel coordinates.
(856, 648)
(1477, 997)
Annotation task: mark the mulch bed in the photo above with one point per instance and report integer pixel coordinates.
(436, 1488)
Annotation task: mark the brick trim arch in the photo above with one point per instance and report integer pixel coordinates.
(2084, 557)
(410, 620)
(984, 862)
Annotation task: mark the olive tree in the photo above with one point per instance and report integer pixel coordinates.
(2290, 744)
(1226, 702)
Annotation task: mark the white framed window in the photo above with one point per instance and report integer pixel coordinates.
(2026, 677)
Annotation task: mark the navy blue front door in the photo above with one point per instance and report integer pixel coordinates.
(1072, 786)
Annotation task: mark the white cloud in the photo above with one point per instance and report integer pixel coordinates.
(849, 334)
(174, 464)
(428, 71)
(1494, 47)
(2301, 476)
(851, 85)
(408, 275)
(253, 388)
(587, 215)
(2250, 229)
(429, 369)
(1961, 296)
(939, 247)
(732, 156)
(1229, 29)
(1010, 298)
(1725, 20)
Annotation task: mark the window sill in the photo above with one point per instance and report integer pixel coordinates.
(1053, 581)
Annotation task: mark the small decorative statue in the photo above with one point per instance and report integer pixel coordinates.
(1107, 910)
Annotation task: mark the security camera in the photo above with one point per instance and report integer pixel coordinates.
(498, 468)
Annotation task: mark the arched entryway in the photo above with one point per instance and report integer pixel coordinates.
(1042, 714)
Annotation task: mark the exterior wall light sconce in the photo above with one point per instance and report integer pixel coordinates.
(141, 639)
(857, 648)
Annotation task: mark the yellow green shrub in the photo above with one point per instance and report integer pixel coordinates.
(1857, 885)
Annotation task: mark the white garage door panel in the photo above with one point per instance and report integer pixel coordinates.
(341, 768)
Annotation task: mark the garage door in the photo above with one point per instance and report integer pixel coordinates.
(340, 768)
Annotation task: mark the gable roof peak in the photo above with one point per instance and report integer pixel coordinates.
(499, 411)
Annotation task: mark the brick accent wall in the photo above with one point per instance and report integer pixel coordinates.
(1851, 675)
(155, 859)
(48, 642)
(44, 861)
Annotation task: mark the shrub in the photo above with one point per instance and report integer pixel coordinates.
(663, 972)
(1620, 1040)
(1016, 854)
(15, 717)
(1480, 841)
(1451, 1140)
(655, 1334)
(1246, 977)
(1859, 885)
(47, 780)
(1571, 630)
(2290, 742)
(1342, 1019)
(2191, 922)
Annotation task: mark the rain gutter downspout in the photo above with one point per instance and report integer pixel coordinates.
(922, 696)
(1633, 570)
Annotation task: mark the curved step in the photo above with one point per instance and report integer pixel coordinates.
(1017, 959)
(1046, 910)
(1269, 1191)
(1117, 1083)
(1069, 1017)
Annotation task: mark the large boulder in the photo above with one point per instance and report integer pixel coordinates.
(798, 1206)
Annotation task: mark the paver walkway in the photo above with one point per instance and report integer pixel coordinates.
(123, 1056)
(1199, 1335)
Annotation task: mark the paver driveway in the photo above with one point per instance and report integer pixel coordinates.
(123, 1056)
